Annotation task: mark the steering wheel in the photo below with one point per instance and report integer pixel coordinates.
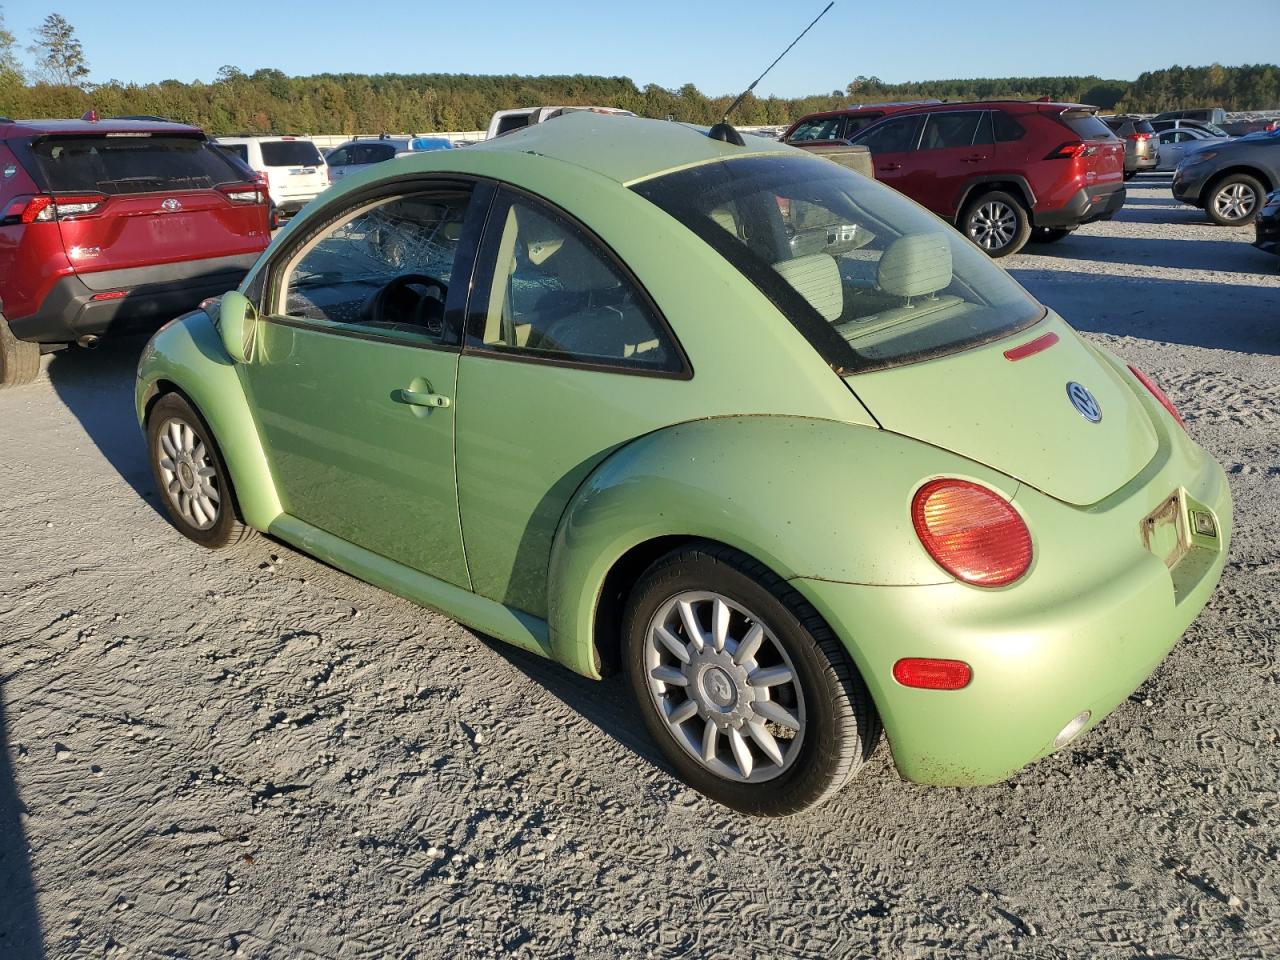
(398, 305)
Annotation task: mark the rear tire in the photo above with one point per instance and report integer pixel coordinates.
(1048, 234)
(1130, 174)
(777, 744)
(1234, 201)
(997, 222)
(19, 359)
(192, 479)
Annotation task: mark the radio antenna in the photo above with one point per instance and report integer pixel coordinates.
(724, 130)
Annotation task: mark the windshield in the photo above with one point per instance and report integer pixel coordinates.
(132, 164)
(870, 278)
(290, 153)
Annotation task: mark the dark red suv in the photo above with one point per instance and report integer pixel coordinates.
(110, 224)
(1002, 171)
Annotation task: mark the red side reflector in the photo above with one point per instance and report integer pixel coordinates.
(109, 295)
(1031, 348)
(930, 674)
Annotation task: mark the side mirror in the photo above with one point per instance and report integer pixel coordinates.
(237, 320)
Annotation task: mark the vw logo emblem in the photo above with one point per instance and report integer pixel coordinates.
(1084, 402)
(172, 205)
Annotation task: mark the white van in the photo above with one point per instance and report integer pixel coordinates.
(295, 169)
(508, 121)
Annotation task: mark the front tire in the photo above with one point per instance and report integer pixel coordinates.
(191, 476)
(1235, 200)
(745, 689)
(19, 359)
(997, 222)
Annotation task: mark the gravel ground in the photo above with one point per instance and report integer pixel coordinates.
(250, 754)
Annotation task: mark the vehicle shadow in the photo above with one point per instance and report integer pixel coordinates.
(1226, 255)
(97, 387)
(1224, 316)
(20, 937)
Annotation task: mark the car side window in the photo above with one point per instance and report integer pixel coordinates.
(339, 158)
(550, 291)
(824, 128)
(955, 129)
(382, 269)
(895, 135)
(1007, 129)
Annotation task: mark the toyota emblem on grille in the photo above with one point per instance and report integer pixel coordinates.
(172, 205)
(1084, 402)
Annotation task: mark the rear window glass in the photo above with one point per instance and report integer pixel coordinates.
(115, 165)
(870, 279)
(1086, 126)
(236, 149)
(290, 153)
(823, 128)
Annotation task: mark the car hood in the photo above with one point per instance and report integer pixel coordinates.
(1017, 415)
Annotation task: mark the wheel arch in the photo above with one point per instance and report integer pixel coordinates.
(186, 356)
(1010, 183)
(1268, 182)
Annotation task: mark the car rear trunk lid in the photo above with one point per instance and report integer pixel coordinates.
(1016, 406)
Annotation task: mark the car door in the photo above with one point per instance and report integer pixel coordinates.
(565, 359)
(338, 160)
(955, 146)
(892, 143)
(354, 368)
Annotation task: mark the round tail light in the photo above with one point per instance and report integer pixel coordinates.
(971, 532)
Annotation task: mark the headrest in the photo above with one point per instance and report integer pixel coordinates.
(816, 278)
(723, 217)
(916, 266)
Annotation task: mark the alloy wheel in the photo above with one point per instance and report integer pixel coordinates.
(992, 225)
(1235, 201)
(725, 687)
(188, 475)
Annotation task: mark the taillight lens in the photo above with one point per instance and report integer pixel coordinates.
(1158, 394)
(245, 193)
(971, 532)
(1139, 137)
(1069, 151)
(44, 208)
(928, 673)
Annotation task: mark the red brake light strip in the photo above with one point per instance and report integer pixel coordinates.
(1032, 347)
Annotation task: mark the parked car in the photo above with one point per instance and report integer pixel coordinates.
(1215, 115)
(1245, 126)
(1177, 143)
(294, 169)
(1141, 148)
(774, 440)
(839, 126)
(111, 224)
(1212, 129)
(1267, 225)
(357, 155)
(1002, 171)
(509, 121)
(1230, 181)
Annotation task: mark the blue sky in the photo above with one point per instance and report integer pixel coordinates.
(717, 45)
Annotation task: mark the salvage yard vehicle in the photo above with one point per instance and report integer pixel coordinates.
(1004, 172)
(294, 170)
(112, 224)
(508, 121)
(1141, 148)
(758, 430)
(1178, 144)
(357, 155)
(1230, 181)
(1267, 225)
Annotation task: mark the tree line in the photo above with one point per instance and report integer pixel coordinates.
(55, 84)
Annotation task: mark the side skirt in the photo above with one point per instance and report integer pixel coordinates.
(487, 616)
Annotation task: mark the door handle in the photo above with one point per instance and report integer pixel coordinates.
(890, 166)
(975, 158)
(419, 399)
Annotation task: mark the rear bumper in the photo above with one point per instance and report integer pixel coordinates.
(1139, 164)
(1080, 633)
(152, 296)
(1085, 206)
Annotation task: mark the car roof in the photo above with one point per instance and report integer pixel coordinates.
(625, 149)
(18, 128)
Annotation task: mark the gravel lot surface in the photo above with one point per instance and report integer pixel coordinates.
(250, 754)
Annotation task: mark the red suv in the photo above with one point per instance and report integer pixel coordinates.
(112, 224)
(1002, 171)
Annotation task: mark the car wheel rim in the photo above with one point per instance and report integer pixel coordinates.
(189, 479)
(1234, 202)
(725, 687)
(993, 225)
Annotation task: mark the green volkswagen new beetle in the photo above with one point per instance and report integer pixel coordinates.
(758, 431)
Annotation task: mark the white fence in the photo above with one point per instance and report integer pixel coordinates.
(327, 141)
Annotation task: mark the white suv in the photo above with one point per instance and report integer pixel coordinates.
(294, 169)
(360, 154)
